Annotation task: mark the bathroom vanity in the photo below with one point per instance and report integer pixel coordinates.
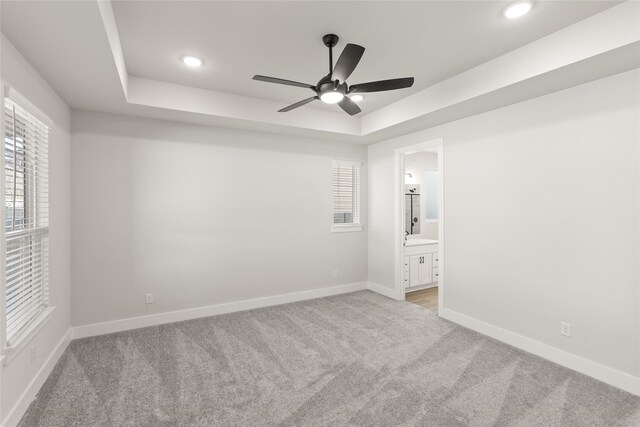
(421, 261)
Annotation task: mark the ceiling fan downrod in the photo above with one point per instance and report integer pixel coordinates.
(330, 40)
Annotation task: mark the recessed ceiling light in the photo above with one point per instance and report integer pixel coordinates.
(192, 61)
(356, 98)
(332, 97)
(517, 10)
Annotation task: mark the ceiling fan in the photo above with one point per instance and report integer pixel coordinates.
(333, 88)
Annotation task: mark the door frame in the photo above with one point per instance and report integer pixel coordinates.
(436, 145)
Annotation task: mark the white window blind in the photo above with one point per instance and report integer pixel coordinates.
(346, 192)
(26, 195)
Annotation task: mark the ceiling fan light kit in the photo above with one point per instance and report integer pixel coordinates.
(333, 88)
(332, 97)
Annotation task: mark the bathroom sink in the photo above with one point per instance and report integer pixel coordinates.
(417, 242)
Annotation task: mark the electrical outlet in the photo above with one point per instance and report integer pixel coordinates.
(336, 274)
(565, 329)
(33, 353)
(149, 298)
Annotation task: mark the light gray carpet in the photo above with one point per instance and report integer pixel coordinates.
(358, 359)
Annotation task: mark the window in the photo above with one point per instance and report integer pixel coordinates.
(26, 218)
(432, 195)
(346, 196)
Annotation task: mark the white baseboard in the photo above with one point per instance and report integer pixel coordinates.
(383, 290)
(17, 412)
(588, 367)
(94, 329)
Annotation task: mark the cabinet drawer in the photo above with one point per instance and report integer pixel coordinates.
(436, 259)
(435, 274)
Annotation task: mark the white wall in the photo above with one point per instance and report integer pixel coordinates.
(542, 218)
(417, 164)
(18, 374)
(201, 216)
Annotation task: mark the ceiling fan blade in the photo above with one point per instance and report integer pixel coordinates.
(382, 85)
(347, 62)
(349, 106)
(298, 104)
(282, 81)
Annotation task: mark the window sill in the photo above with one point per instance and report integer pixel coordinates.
(12, 351)
(345, 228)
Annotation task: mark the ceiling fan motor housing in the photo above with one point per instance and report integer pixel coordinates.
(327, 84)
(331, 86)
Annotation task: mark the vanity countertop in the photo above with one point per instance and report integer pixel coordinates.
(418, 242)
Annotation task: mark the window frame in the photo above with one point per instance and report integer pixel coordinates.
(354, 226)
(426, 192)
(8, 351)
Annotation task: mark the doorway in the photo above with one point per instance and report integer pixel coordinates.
(419, 226)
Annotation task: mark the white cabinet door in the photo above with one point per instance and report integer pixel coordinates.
(419, 270)
(406, 271)
(415, 263)
(425, 269)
